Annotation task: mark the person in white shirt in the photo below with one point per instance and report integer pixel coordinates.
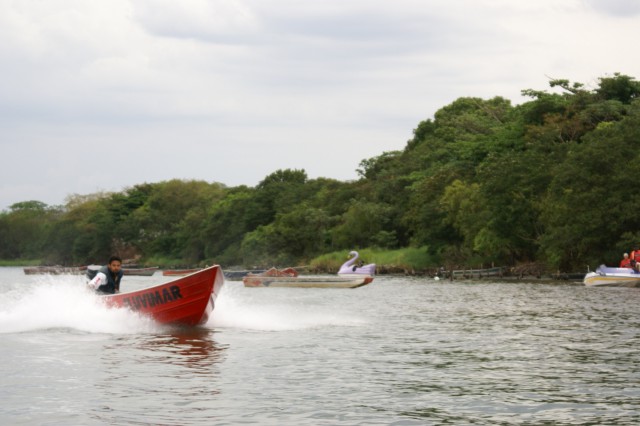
(107, 280)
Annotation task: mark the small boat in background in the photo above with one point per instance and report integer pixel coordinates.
(145, 272)
(178, 272)
(92, 270)
(605, 276)
(54, 270)
(233, 275)
(289, 278)
(350, 268)
(188, 300)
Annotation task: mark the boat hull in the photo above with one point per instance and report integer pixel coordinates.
(595, 280)
(612, 277)
(239, 275)
(187, 300)
(343, 281)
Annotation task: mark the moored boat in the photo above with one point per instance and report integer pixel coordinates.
(54, 270)
(306, 281)
(145, 272)
(92, 270)
(178, 272)
(612, 277)
(233, 275)
(188, 300)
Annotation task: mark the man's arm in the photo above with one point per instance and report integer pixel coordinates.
(97, 281)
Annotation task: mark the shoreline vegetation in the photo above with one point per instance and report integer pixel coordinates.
(404, 262)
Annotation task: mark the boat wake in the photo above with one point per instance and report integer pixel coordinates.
(63, 302)
(252, 309)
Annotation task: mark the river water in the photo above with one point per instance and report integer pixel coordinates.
(400, 351)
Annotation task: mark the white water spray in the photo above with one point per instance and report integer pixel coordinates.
(278, 309)
(64, 302)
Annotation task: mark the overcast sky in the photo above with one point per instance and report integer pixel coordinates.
(103, 95)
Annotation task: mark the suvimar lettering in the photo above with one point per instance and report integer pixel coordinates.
(153, 298)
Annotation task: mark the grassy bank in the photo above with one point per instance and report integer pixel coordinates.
(21, 262)
(406, 260)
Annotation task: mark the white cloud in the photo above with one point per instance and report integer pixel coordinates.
(208, 20)
(616, 8)
(233, 90)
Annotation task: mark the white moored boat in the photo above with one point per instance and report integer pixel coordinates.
(605, 276)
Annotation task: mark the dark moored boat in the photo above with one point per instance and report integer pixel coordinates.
(54, 270)
(178, 272)
(92, 270)
(187, 300)
(239, 275)
(145, 272)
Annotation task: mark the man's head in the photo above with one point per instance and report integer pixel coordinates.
(115, 264)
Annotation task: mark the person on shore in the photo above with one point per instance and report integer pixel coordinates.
(107, 280)
(626, 261)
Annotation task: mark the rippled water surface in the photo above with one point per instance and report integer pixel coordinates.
(400, 351)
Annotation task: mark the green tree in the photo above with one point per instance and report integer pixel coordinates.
(173, 217)
(362, 224)
(619, 87)
(590, 206)
(24, 229)
(226, 224)
(295, 236)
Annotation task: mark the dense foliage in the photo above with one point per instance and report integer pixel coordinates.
(548, 181)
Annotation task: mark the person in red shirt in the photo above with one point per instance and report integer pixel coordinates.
(635, 258)
(626, 261)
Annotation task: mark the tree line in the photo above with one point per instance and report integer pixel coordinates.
(551, 181)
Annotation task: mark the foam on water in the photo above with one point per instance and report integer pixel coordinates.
(258, 309)
(63, 302)
(53, 302)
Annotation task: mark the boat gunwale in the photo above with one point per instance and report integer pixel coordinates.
(163, 284)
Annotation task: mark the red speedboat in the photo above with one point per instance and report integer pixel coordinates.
(187, 300)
